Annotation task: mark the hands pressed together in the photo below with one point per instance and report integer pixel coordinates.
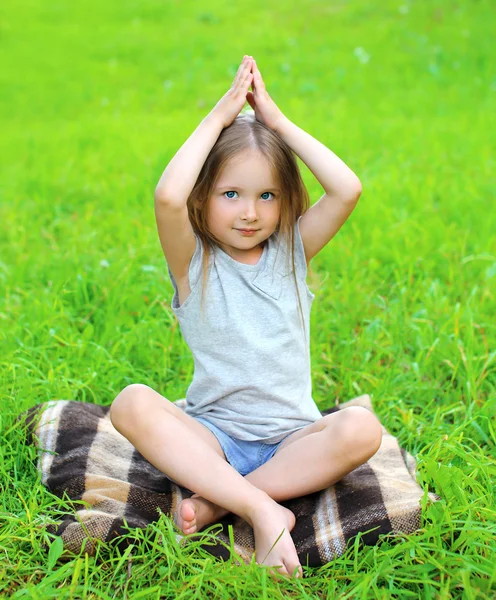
(230, 105)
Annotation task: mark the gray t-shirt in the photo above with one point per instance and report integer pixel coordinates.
(252, 360)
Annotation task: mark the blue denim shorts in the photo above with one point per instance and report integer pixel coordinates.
(244, 456)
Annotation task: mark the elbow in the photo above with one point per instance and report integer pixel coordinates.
(165, 197)
(158, 195)
(358, 188)
(357, 191)
(162, 196)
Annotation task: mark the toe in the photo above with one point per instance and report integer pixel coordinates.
(188, 512)
(293, 570)
(298, 572)
(277, 571)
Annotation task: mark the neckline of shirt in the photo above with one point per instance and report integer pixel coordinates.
(243, 266)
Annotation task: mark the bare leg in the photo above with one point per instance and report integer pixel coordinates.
(140, 414)
(343, 441)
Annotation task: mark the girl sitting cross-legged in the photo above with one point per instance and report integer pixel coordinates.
(237, 231)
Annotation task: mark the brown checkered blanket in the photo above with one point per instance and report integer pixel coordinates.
(82, 455)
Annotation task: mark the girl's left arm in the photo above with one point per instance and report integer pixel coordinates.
(337, 179)
(342, 188)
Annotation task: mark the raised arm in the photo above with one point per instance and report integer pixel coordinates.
(180, 175)
(342, 187)
(177, 181)
(171, 194)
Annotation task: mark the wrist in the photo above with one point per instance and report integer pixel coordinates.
(214, 120)
(282, 125)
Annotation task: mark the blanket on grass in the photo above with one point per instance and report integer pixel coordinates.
(82, 456)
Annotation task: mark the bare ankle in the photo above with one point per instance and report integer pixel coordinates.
(258, 505)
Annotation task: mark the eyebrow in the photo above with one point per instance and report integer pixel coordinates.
(235, 187)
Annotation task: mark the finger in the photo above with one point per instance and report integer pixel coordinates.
(241, 70)
(253, 71)
(245, 84)
(257, 76)
(245, 76)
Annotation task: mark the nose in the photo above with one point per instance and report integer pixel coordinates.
(249, 210)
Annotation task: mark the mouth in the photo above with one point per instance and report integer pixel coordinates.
(247, 230)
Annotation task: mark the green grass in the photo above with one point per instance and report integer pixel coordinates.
(95, 101)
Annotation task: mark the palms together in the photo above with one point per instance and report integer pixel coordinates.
(266, 110)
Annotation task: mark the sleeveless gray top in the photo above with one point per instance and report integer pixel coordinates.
(252, 374)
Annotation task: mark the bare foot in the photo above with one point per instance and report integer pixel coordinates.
(268, 522)
(196, 512)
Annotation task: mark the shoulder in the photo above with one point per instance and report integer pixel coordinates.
(300, 246)
(282, 247)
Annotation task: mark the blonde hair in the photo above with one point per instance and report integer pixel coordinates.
(247, 134)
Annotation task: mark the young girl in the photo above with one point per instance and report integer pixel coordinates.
(237, 232)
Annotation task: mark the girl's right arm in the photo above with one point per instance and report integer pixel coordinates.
(180, 175)
(171, 213)
(178, 179)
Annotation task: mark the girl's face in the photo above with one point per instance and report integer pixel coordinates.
(246, 196)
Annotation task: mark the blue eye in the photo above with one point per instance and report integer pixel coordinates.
(263, 196)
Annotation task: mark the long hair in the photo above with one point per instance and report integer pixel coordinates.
(246, 133)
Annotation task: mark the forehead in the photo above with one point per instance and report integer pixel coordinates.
(248, 169)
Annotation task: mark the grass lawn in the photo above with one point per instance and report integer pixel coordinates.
(96, 98)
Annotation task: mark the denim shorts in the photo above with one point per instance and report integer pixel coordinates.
(244, 456)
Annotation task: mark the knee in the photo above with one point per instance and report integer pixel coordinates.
(124, 410)
(362, 431)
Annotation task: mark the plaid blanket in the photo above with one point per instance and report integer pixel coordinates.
(83, 456)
